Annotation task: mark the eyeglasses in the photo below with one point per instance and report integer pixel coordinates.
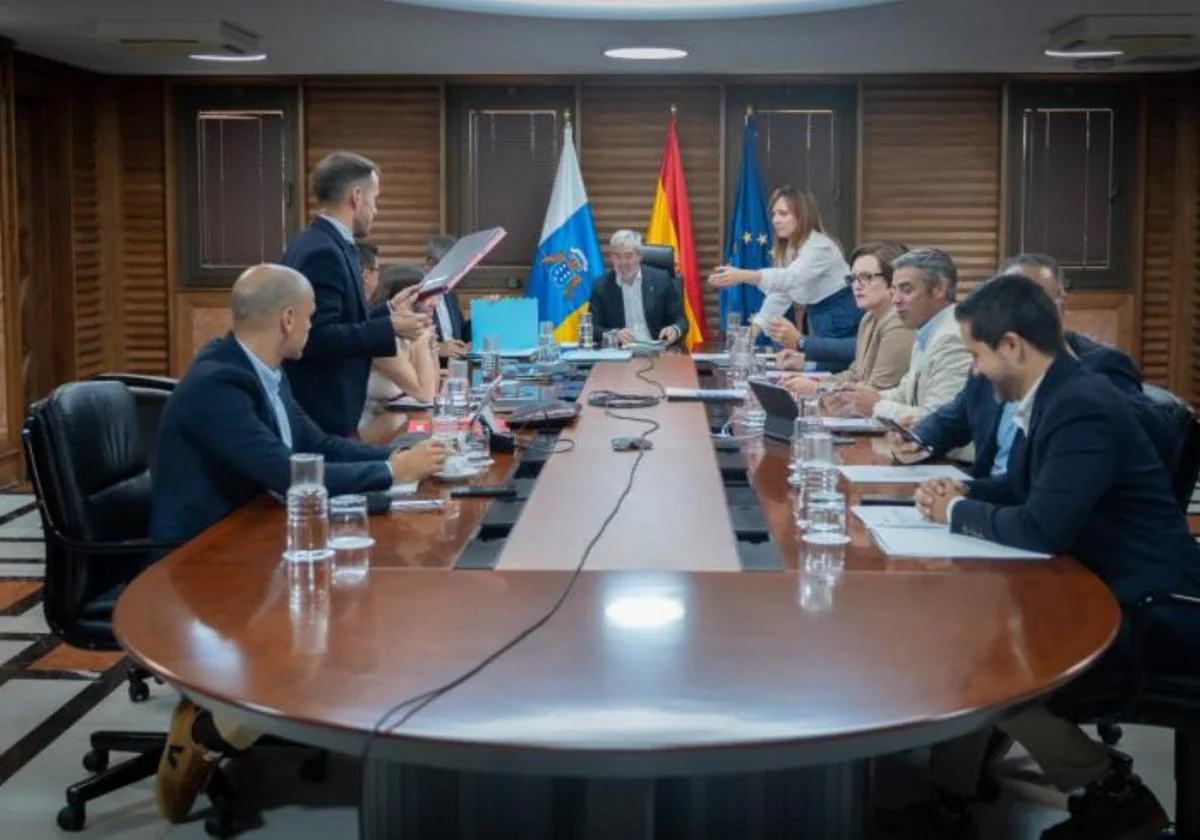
(863, 279)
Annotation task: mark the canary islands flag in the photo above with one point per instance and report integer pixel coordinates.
(568, 257)
(749, 244)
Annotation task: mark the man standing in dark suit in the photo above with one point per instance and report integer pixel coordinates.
(227, 435)
(639, 301)
(1083, 479)
(330, 380)
(976, 417)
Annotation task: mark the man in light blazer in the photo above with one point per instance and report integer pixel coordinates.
(923, 295)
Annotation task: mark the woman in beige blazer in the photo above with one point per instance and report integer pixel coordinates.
(884, 345)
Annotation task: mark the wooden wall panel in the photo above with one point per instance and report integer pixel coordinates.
(622, 135)
(143, 302)
(1195, 342)
(931, 172)
(1159, 218)
(85, 234)
(398, 126)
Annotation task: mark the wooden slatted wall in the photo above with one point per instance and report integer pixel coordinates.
(1159, 217)
(399, 127)
(85, 234)
(931, 172)
(1195, 354)
(143, 298)
(622, 136)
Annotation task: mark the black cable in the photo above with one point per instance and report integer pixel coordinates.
(420, 701)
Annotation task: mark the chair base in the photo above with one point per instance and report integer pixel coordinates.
(147, 748)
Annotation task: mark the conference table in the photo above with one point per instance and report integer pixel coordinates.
(672, 693)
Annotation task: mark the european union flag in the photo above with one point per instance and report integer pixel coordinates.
(749, 234)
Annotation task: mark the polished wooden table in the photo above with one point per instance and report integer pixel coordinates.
(657, 702)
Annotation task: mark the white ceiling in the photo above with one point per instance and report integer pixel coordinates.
(385, 37)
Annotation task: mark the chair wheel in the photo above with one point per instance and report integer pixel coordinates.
(222, 825)
(95, 761)
(72, 817)
(139, 692)
(1110, 733)
(312, 770)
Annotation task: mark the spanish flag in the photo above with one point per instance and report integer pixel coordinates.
(671, 224)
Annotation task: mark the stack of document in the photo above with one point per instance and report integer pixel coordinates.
(902, 532)
(914, 474)
(714, 394)
(862, 425)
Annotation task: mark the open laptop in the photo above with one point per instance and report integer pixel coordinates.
(780, 406)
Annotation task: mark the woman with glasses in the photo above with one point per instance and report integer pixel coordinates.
(809, 271)
(884, 345)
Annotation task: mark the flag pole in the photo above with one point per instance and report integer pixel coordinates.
(749, 114)
(674, 110)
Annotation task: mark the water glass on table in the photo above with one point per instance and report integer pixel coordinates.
(490, 358)
(586, 337)
(350, 538)
(811, 480)
(458, 369)
(610, 340)
(733, 325)
(809, 447)
(444, 427)
(477, 443)
(307, 510)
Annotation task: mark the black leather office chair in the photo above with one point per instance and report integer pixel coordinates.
(87, 463)
(659, 256)
(1187, 469)
(151, 394)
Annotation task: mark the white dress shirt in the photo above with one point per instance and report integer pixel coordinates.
(635, 308)
(442, 312)
(817, 271)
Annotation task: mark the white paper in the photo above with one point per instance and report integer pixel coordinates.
(851, 424)
(405, 401)
(892, 516)
(701, 393)
(710, 357)
(940, 543)
(913, 474)
(604, 354)
(403, 489)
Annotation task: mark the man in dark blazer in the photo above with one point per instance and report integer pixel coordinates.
(226, 436)
(1083, 479)
(639, 301)
(976, 417)
(330, 380)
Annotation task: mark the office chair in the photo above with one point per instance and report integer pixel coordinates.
(87, 462)
(660, 256)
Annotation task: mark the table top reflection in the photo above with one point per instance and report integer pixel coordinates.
(641, 672)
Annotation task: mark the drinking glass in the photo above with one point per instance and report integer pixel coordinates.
(610, 340)
(458, 369)
(477, 442)
(812, 479)
(586, 338)
(445, 427)
(733, 324)
(307, 510)
(348, 523)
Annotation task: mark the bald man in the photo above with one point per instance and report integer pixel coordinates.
(231, 426)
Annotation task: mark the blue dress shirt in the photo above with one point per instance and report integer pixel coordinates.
(1006, 433)
(271, 381)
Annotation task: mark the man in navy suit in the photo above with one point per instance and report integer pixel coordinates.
(639, 301)
(227, 435)
(1083, 479)
(330, 380)
(975, 417)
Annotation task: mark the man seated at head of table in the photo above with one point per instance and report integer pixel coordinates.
(923, 284)
(226, 436)
(641, 302)
(1084, 480)
(976, 417)
(884, 344)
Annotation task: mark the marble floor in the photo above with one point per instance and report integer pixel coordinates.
(53, 696)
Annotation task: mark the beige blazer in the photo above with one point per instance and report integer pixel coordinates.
(935, 374)
(881, 355)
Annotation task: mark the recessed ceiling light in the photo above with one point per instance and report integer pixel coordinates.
(645, 9)
(646, 53)
(228, 58)
(1084, 53)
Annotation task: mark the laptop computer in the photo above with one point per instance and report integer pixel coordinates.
(780, 406)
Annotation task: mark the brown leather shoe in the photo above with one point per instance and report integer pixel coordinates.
(185, 767)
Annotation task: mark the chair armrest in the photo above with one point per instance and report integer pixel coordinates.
(1139, 620)
(108, 547)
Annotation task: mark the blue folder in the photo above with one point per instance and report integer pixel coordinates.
(512, 320)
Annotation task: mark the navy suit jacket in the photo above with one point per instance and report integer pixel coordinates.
(330, 381)
(974, 415)
(1088, 482)
(219, 446)
(660, 299)
(460, 327)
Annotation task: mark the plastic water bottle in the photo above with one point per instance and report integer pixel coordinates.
(754, 416)
(587, 338)
(490, 359)
(812, 478)
(307, 511)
